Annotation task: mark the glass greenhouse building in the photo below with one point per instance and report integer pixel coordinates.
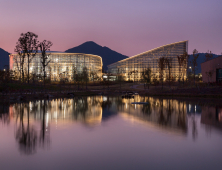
(61, 65)
(132, 67)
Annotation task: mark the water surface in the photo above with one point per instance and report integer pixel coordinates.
(103, 132)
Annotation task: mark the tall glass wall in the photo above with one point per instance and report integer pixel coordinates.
(132, 68)
(62, 65)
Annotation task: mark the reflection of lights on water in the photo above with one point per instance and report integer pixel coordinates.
(30, 105)
(104, 98)
(189, 107)
(195, 108)
(55, 115)
(220, 116)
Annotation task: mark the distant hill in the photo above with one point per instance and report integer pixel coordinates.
(200, 60)
(4, 58)
(108, 56)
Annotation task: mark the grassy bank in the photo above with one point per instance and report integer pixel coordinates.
(11, 91)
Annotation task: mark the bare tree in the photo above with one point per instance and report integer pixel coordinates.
(208, 56)
(85, 76)
(194, 62)
(146, 76)
(77, 77)
(185, 64)
(120, 78)
(27, 45)
(169, 63)
(94, 75)
(45, 46)
(161, 65)
(19, 60)
(182, 60)
(74, 73)
(134, 72)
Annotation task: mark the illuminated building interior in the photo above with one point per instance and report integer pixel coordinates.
(61, 65)
(132, 67)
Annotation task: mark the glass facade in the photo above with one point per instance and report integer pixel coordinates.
(218, 75)
(132, 67)
(62, 65)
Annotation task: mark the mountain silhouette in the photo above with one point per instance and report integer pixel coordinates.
(4, 58)
(108, 56)
(200, 60)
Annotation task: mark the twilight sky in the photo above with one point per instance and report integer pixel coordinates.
(126, 26)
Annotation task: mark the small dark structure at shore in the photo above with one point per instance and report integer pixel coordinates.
(128, 95)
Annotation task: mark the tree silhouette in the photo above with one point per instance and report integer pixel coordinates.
(19, 60)
(27, 46)
(85, 75)
(120, 78)
(208, 56)
(194, 62)
(94, 75)
(182, 60)
(161, 65)
(45, 46)
(146, 75)
(169, 61)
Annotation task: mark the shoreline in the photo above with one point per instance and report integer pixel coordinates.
(25, 97)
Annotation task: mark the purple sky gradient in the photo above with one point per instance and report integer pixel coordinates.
(126, 26)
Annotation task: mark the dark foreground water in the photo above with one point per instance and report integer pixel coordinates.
(110, 133)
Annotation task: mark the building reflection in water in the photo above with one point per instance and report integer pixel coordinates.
(25, 132)
(212, 116)
(30, 115)
(4, 113)
(169, 115)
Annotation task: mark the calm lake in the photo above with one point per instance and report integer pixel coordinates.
(102, 132)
